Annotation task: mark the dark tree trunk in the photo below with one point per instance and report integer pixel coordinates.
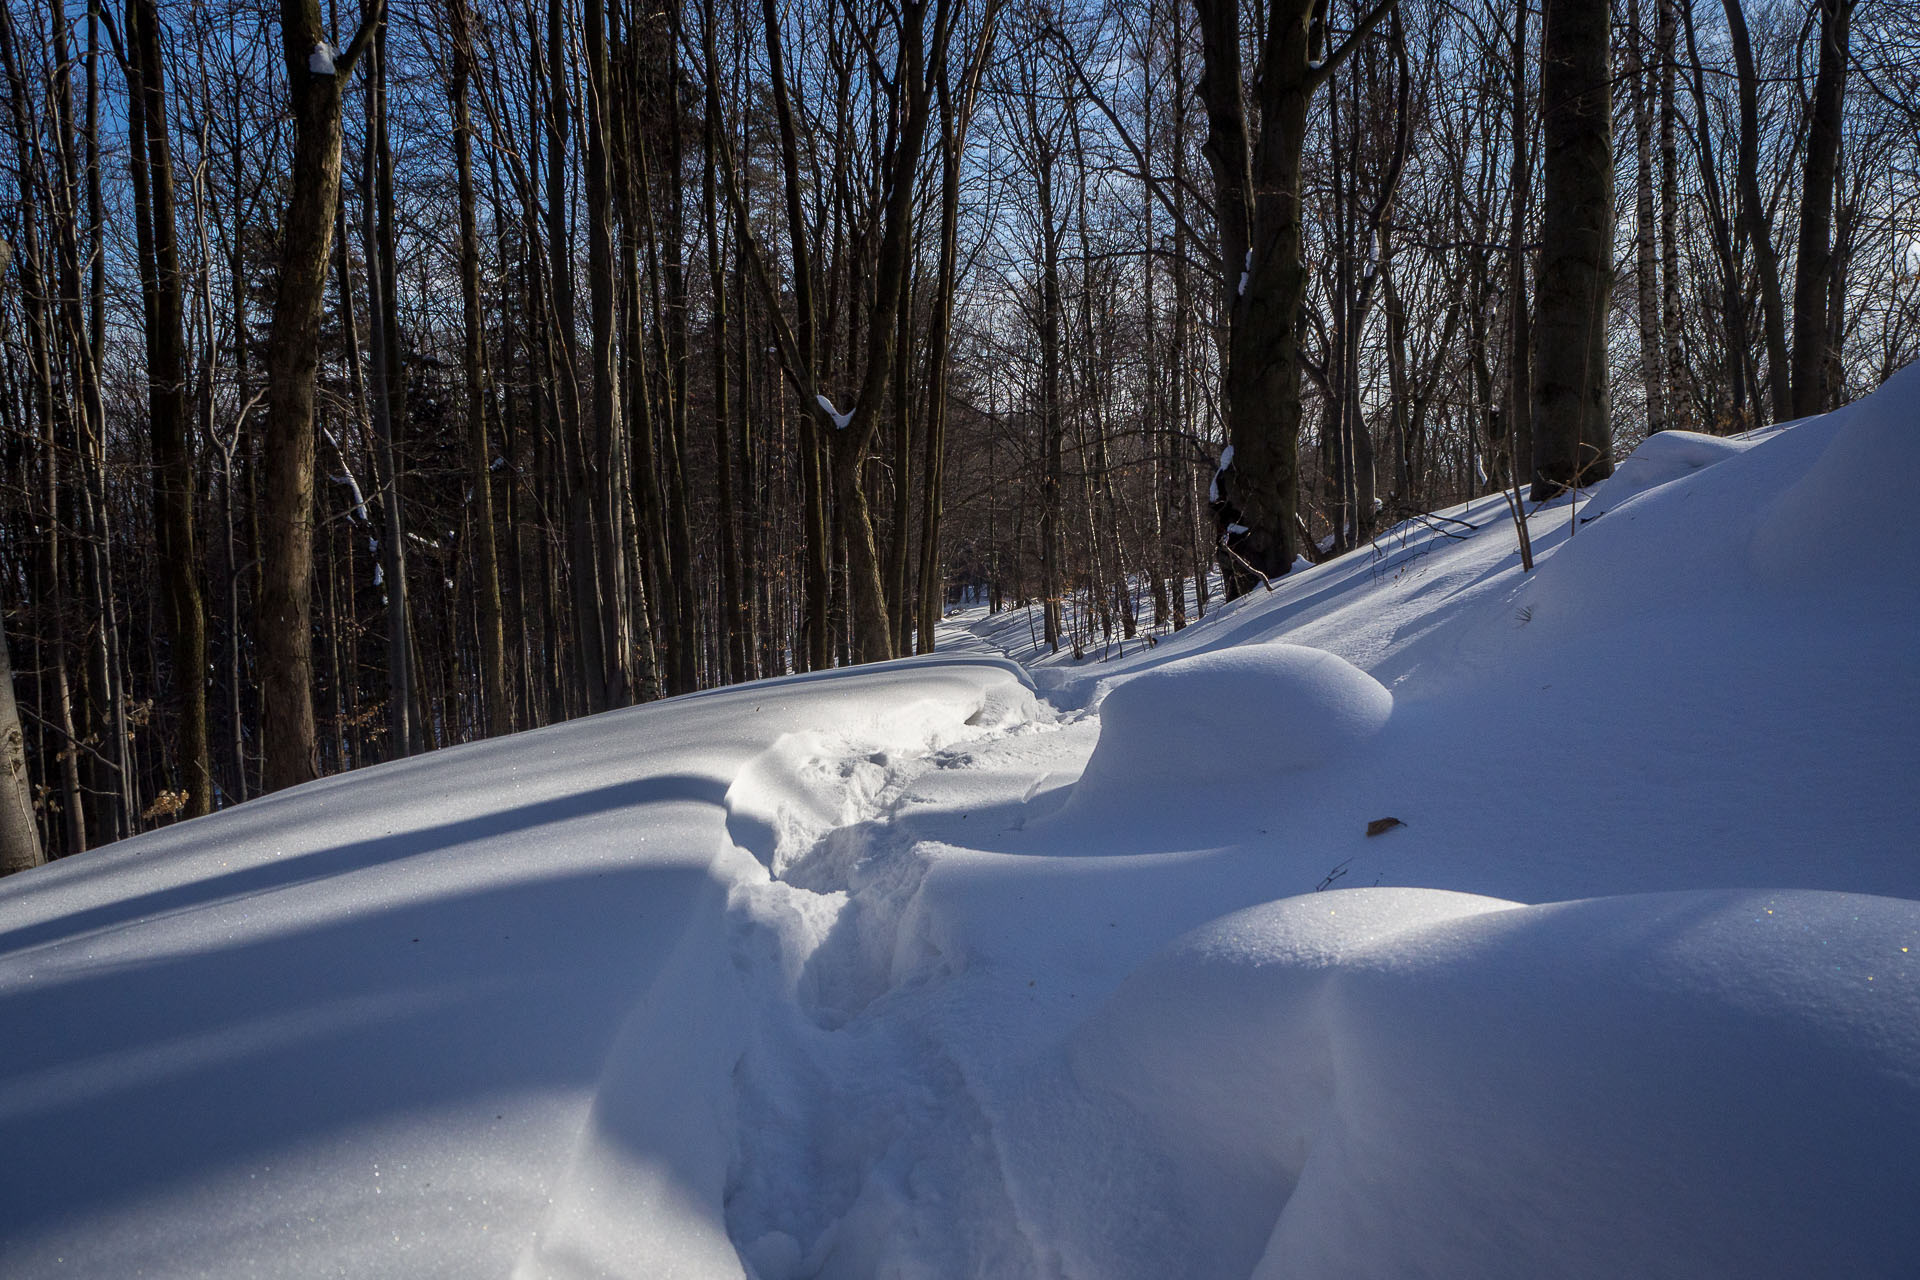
(1572, 438)
(608, 472)
(1732, 301)
(666, 240)
(1051, 427)
(954, 117)
(1753, 216)
(1257, 211)
(1519, 313)
(486, 564)
(1673, 368)
(284, 622)
(735, 645)
(1646, 250)
(1813, 268)
(583, 555)
(152, 164)
(389, 402)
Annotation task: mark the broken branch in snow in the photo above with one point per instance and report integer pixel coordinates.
(1339, 870)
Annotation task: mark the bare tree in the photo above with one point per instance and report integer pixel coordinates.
(1814, 263)
(1572, 436)
(173, 488)
(19, 836)
(1256, 179)
(284, 623)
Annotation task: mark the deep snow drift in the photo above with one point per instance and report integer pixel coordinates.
(959, 968)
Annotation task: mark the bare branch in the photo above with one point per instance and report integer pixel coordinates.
(1317, 76)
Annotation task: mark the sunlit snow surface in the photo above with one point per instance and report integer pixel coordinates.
(855, 975)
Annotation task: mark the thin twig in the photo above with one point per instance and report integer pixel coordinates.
(1264, 580)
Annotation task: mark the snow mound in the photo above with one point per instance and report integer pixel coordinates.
(1411, 1082)
(1853, 499)
(804, 786)
(1226, 718)
(1663, 457)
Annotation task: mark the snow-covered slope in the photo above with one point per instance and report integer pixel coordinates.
(911, 972)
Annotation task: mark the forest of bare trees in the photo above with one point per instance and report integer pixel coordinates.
(377, 376)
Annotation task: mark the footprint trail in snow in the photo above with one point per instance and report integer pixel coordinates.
(862, 1148)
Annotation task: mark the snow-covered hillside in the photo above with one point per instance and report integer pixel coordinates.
(959, 967)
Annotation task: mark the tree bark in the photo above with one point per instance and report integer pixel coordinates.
(389, 402)
(1673, 365)
(1051, 429)
(666, 250)
(283, 627)
(608, 472)
(19, 836)
(583, 549)
(1813, 268)
(734, 650)
(1732, 286)
(486, 563)
(954, 118)
(173, 486)
(1753, 216)
(1257, 212)
(1646, 260)
(1519, 313)
(1572, 438)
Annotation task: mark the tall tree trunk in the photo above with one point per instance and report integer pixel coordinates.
(1753, 216)
(1673, 365)
(152, 164)
(486, 564)
(735, 647)
(96, 345)
(389, 401)
(1263, 363)
(667, 252)
(954, 117)
(1051, 587)
(806, 344)
(1813, 267)
(1646, 259)
(1179, 498)
(1572, 438)
(1257, 211)
(582, 547)
(764, 638)
(1519, 313)
(899, 535)
(19, 836)
(642, 483)
(1732, 288)
(607, 472)
(283, 622)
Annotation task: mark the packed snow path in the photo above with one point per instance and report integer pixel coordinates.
(789, 1039)
(949, 968)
